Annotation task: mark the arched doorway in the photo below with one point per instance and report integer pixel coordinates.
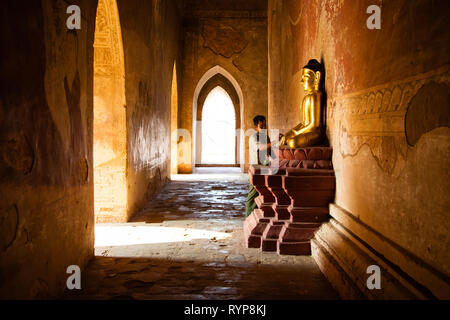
(110, 136)
(218, 129)
(217, 77)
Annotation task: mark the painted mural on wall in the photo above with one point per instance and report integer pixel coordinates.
(385, 117)
(223, 39)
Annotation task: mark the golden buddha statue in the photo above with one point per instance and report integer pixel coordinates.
(310, 131)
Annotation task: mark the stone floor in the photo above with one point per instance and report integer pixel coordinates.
(188, 244)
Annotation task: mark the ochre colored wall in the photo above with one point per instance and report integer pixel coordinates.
(46, 176)
(174, 122)
(234, 38)
(387, 114)
(151, 41)
(110, 136)
(46, 132)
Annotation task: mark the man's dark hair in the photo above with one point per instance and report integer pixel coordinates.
(257, 119)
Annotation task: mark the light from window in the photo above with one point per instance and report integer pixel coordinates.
(218, 129)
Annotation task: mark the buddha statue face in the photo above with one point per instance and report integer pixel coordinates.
(310, 80)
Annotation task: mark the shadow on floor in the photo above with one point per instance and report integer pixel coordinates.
(109, 278)
(192, 239)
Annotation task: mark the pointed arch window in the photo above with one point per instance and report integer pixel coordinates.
(218, 129)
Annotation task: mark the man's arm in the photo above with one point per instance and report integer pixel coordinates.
(268, 145)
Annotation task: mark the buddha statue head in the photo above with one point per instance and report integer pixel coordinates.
(311, 76)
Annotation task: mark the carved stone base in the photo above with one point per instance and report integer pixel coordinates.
(344, 256)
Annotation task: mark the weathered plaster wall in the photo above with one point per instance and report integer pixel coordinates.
(232, 35)
(46, 176)
(387, 118)
(151, 41)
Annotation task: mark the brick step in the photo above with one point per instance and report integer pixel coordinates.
(295, 232)
(266, 207)
(254, 226)
(308, 214)
(294, 238)
(275, 185)
(301, 248)
(281, 212)
(270, 236)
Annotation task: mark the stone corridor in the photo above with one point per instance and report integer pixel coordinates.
(188, 244)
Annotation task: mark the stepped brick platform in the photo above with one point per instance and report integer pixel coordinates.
(295, 238)
(300, 192)
(265, 207)
(271, 234)
(282, 200)
(254, 227)
(258, 180)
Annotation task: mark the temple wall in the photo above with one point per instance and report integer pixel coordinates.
(110, 135)
(151, 41)
(388, 123)
(46, 176)
(231, 35)
(46, 132)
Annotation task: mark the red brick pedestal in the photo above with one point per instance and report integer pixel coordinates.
(271, 234)
(293, 201)
(274, 184)
(257, 221)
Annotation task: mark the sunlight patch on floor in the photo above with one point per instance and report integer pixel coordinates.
(122, 235)
(213, 174)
